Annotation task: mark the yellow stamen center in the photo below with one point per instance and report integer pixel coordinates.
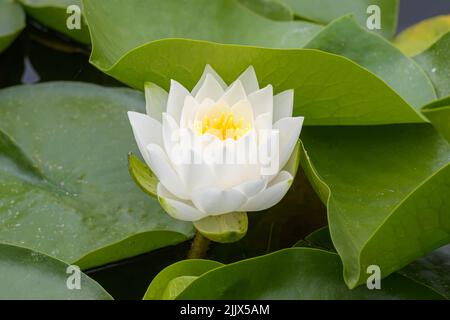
(223, 127)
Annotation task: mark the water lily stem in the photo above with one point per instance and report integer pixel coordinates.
(199, 247)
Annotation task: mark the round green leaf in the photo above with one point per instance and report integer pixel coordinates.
(12, 21)
(26, 274)
(226, 228)
(297, 273)
(186, 268)
(53, 14)
(64, 184)
(386, 189)
(421, 36)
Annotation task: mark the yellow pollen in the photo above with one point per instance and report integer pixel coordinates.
(223, 127)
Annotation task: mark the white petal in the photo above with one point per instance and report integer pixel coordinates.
(196, 175)
(215, 201)
(146, 130)
(273, 194)
(294, 161)
(175, 100)
(177, 208)
(249, 80)
(262, 101)
(188, 113)
(234, 94)
(289, 133)
(264, 122)
(252, 188)
(210, 89)
(156, 100)
(208, 70)
(161, 167)
(170, 131)
(243, 110)
(239, 161)
(283, 105)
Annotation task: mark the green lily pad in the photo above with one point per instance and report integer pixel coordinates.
(12, 21)
(346, 38)
(435, 61)
(386, 190)
(64, 184)
(191, 268)
(325, 11)
(421, 36)
(53, 14)
(319, 78)
(297, 273)
(439, 114)
(26, 274)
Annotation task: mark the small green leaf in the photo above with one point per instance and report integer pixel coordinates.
(12, 21)
(435, 61)
(296, 273)
(225, 228)
(53, 14)
(27, 274)
(421, 36)
(142, 175)
(190, 268)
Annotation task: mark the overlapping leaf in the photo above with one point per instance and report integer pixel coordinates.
(64, 185)
(346, 38)
(297, 273)
(330, 89)
(26, 274)
(12, 21)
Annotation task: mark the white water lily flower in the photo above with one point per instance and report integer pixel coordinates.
(221, 118)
